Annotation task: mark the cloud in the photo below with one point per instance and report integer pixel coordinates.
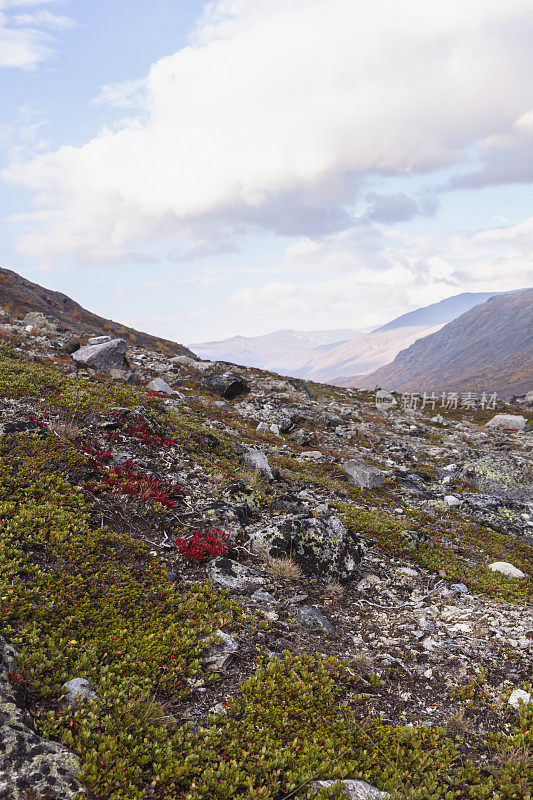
(374, 275)
(24, 40)
(400, 207)
(274, 117)
(507, 158)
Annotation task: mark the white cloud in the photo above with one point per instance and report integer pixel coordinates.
(24, 40)
(373, 275)
(273, 117)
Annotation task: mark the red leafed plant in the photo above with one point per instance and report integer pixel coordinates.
(203, 544)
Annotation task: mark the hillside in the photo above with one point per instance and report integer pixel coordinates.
(225, 585)
(19, 296)
(324, 355)
(489, 348)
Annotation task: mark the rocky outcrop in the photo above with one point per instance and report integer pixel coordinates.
(501, 475)
(321, 546)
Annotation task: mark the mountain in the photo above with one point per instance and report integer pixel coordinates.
(285, 351)
(325, 355)
(489, 348)
(18, 296)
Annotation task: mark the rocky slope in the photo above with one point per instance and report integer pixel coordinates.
(20, 296)
(222, 583)
(489, 348)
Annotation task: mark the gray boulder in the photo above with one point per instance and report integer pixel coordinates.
(102, 357)
(500, 475)
(257, 461)
(99, 339)
(321, 546)
(509, 422)
(182, 360)
(29, 763)
(37, 319)
(362, 475)
(228, 385)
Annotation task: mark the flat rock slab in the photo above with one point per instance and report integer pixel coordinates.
(234, 576)
(362, 475)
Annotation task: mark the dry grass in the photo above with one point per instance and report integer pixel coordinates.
(251, 478)
(362, 664)
(459, 724)
(66, 429)
(146, 711)
(284, 568)
(333, 592)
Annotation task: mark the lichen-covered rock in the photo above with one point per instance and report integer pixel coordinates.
(218, 657)
(362, 475)
(509, 422)
(102, 357)
(234, 576)
(354, 790)
(500, 475)
(29, 763)
(321, 546)
(313, 619)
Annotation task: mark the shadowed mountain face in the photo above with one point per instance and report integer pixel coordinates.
(324, 355)
(489, 347)
(18, 296)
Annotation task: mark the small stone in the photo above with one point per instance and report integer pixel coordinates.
(262, 428)
(507, 569)
(459, 587)
(218, 657)
(234, 576)
(452, 501)
(71, 345)
(518, 696)
(78, 691)
(312, 618)
(262, 596)
(407, 571)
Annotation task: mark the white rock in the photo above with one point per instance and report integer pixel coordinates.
(452, 501)
(407, 571)
(262, 428)
(159, 385)
(513, 422)
(517, 696)
(507, 569)
(354, 790)
(529, 397)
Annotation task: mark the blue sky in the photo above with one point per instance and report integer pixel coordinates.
(203, 170)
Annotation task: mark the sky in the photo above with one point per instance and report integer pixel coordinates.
(201, 170)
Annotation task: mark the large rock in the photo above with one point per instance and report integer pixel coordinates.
(102, 357)
(507, 569)
(321, 546)
(234, 576)
(500, 475)
(29, 763)
(509, 422)
(228, 385)
(362, 475)
(159, 385)
(37, 319)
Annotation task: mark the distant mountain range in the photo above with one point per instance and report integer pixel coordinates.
(330, 356)
(488, 348)
(18, 296)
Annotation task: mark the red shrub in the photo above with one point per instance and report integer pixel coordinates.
(203, 544)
